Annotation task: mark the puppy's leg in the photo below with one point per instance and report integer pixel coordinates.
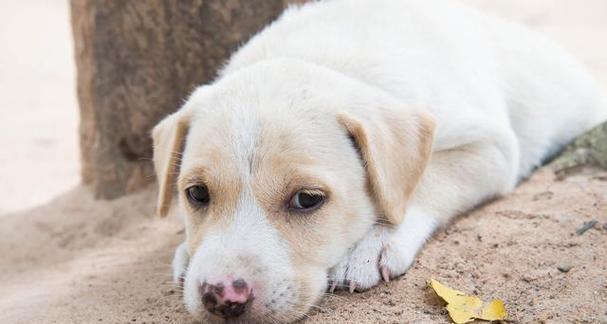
(455, 181)
(180, 263)
(383, 253)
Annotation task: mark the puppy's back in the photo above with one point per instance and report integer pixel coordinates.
(457, 61)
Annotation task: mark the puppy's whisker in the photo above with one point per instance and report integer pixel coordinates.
(169, 284)
(315, 306)
(334, 296)
(296, 312)
(162, 274)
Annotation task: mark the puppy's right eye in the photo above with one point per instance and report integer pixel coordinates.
(198, 195)
(306, 200)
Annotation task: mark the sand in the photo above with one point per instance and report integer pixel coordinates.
(77, 260)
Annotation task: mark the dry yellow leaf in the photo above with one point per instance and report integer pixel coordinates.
(494, 311)
(464, 308)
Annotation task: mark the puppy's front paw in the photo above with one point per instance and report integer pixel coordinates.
(180, 264)
(376, 256)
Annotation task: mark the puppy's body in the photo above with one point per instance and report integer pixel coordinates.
(467, 68)
(488, 99)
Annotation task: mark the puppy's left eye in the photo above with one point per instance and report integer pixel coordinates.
(306, 200)
(198, 195)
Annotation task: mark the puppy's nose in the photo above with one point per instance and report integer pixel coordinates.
(227, 298)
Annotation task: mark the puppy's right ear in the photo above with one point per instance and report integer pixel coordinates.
(169, 138)
(395, 146)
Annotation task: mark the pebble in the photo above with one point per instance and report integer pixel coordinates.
(564, 268)
(586, 227)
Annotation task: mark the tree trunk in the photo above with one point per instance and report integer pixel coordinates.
(137, 61)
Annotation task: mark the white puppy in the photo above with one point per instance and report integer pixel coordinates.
(338, 139)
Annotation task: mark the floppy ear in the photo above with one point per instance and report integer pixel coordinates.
(169, 137)
(395, 147)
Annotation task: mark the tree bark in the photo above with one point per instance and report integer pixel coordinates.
(137, 61)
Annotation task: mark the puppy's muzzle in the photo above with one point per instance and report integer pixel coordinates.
(227, 298)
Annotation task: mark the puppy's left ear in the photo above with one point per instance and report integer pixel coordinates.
(169, 139)
(395, 146)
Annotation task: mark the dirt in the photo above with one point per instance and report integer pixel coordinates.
(78, 260)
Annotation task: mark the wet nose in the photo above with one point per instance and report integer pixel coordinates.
(227, 298)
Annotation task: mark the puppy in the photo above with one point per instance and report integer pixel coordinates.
(338, 139)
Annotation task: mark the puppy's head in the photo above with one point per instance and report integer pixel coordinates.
(279, 169)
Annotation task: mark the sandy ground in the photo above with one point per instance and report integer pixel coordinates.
(77, 260)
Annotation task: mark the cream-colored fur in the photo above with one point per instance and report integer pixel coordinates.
(404, 113)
